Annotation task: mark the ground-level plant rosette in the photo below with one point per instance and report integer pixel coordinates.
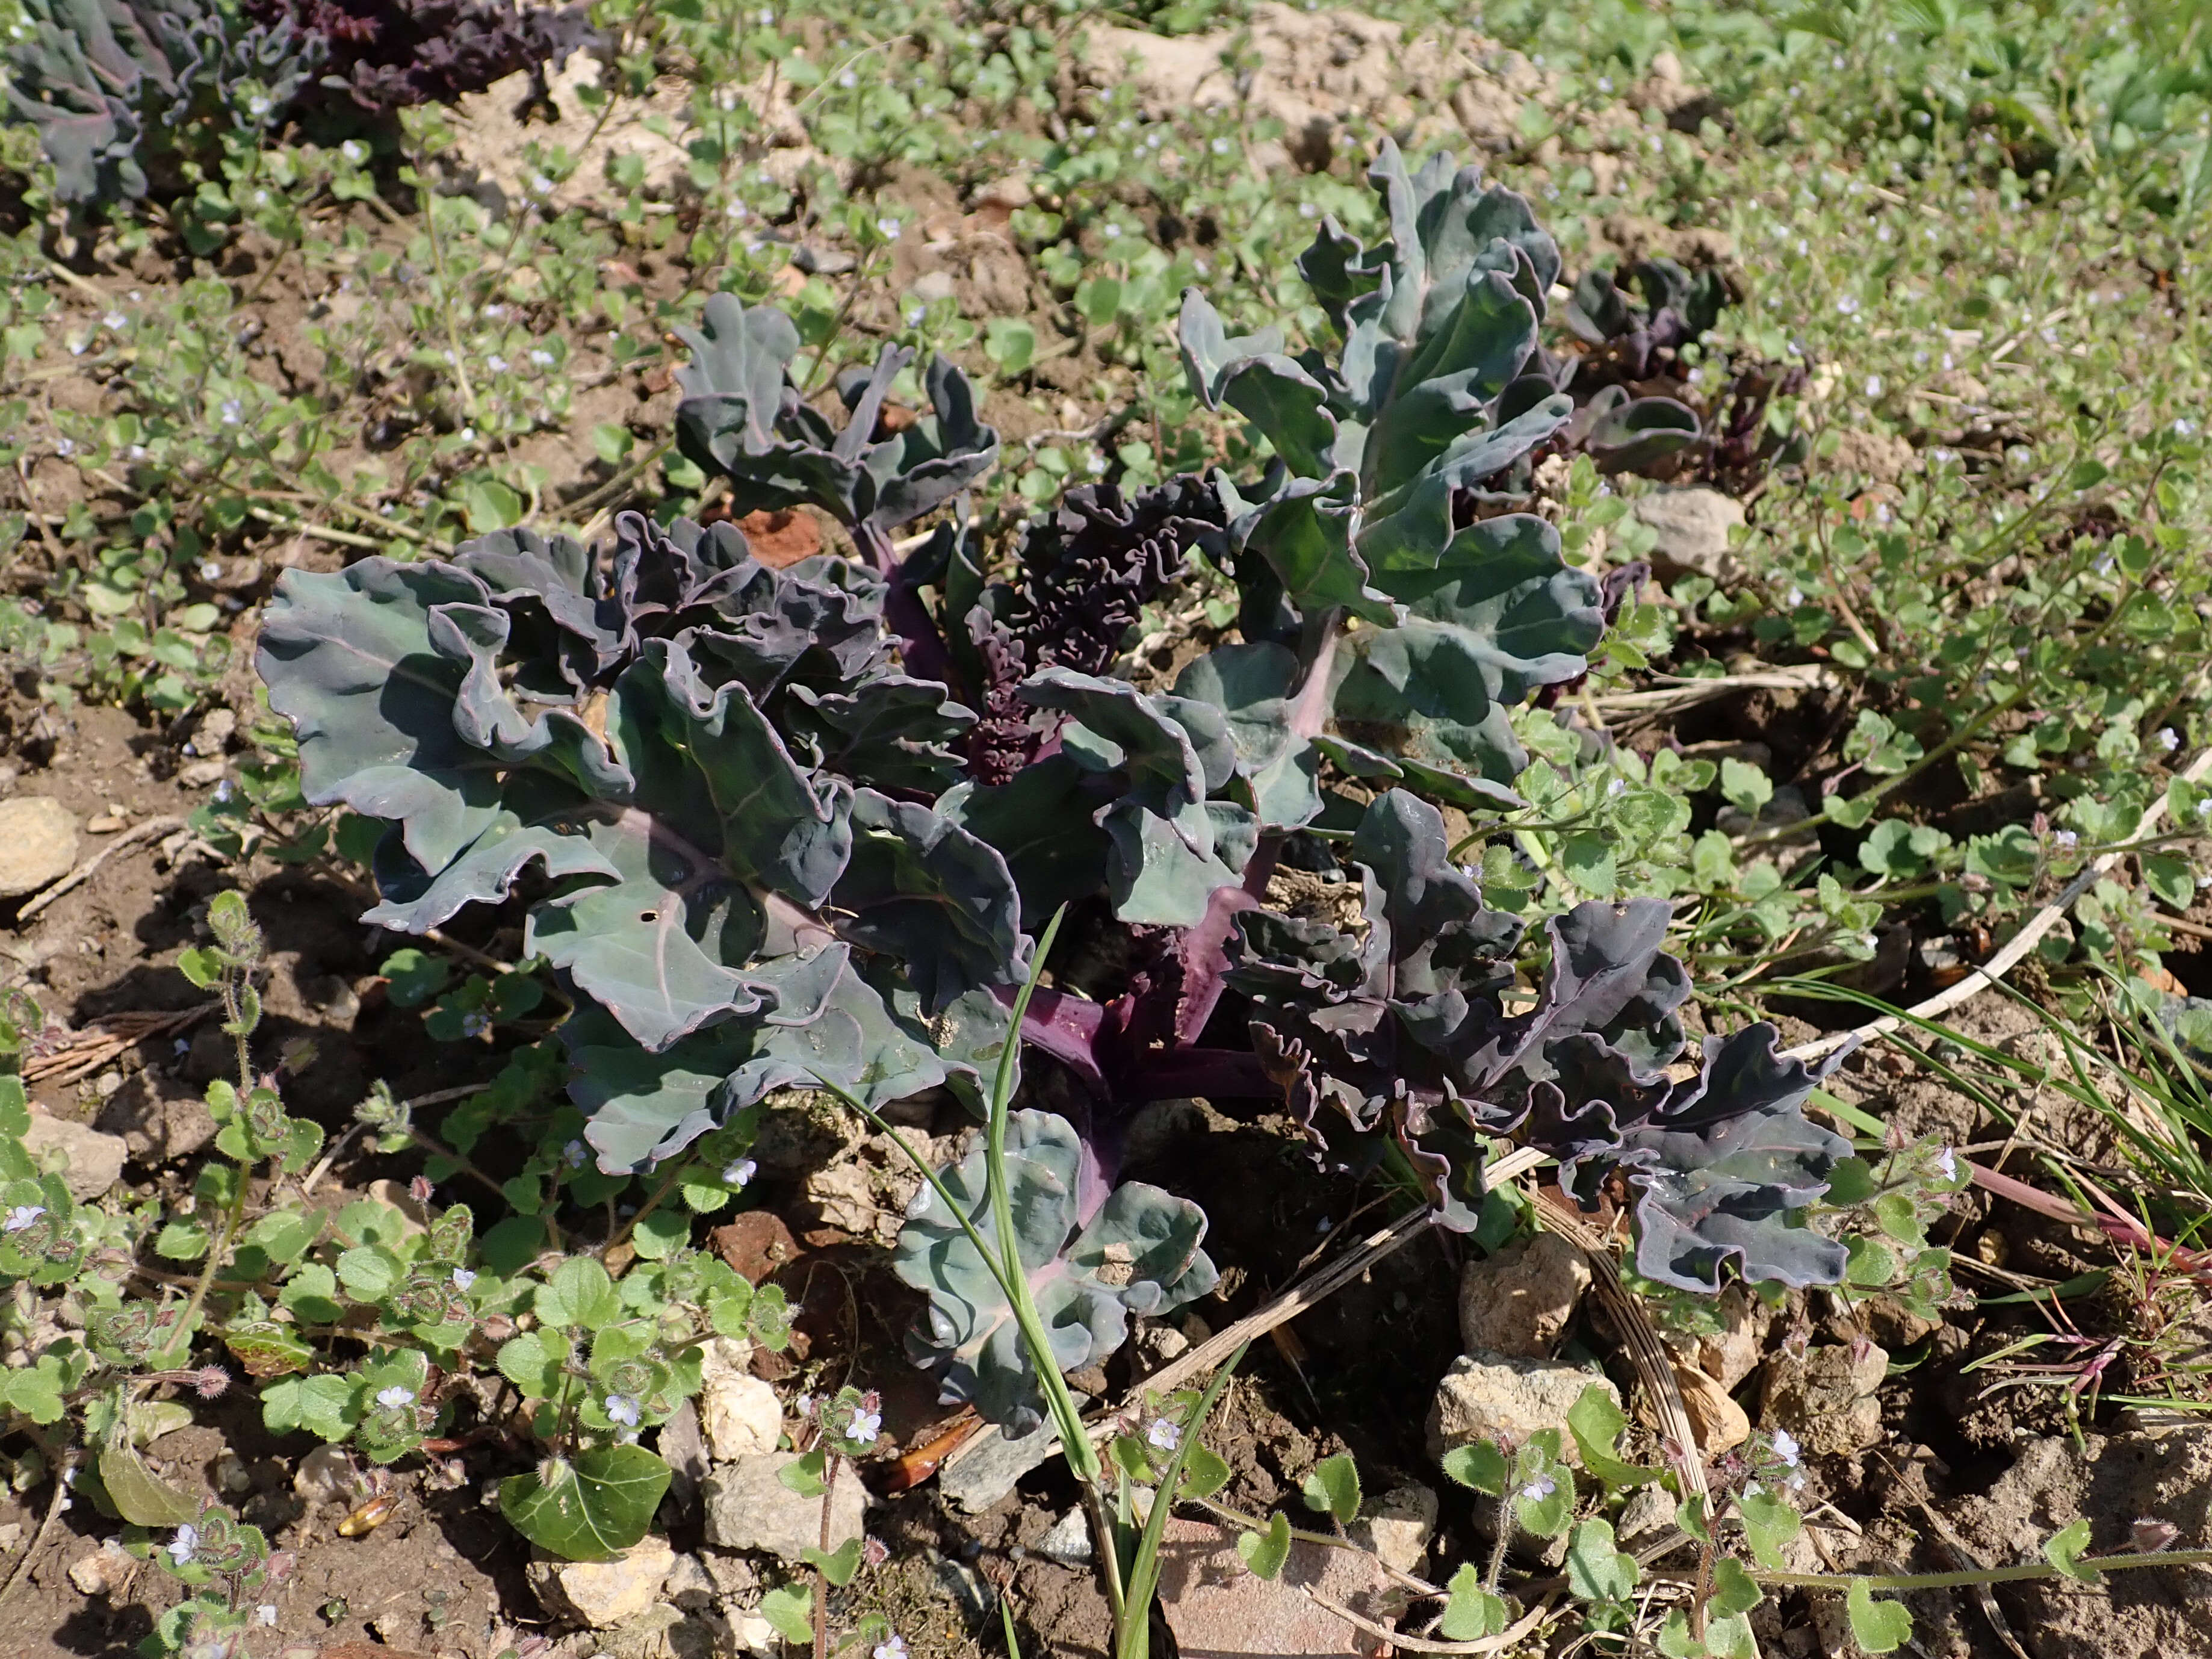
(788, 828)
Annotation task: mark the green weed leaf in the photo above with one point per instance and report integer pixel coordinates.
(1266, 1551)
(2063, 1549)
(1333, 1488)
(1877, 1626)
(587, 1508)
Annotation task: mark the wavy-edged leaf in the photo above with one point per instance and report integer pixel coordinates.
(1093, 1258)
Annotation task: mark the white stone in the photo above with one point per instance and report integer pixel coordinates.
(604, 1593)
(1398, 1525)
(1496, 1396)
(755, 1635)
(738, 1413)
(1692, 527)
(749, 1508)
(105, 1572)
(38, 843)
(94, 1160)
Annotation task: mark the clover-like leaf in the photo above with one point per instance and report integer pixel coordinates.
(1092, 1257)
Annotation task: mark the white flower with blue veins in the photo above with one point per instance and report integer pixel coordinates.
(462, 1278)
(893, 1649)
(24, 1217)
(393, 1398)
(622, 1408)
(739, 1173)
(495, 363)
(1539, 1489)
(2064, 838)
(185, 1545)
(1164, 1434)
(573, 1151)
(2168, 739)
(1946, 1163)
(541, 357)
(1786, 1447)
(116, 319)
(865, 1426)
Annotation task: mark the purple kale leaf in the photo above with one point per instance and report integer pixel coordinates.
(1412, 1023)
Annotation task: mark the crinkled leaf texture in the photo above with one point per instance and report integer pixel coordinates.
(95, 77)
(1369, 512)
(709, 762)
(1093, 1258)
(1402, 1026)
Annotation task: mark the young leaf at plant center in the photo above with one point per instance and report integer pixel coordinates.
(1333, 1488)
(1473, 1611)
(588, 1507)
(1265, 1553)
(1877, 1626)
(2063, 1549)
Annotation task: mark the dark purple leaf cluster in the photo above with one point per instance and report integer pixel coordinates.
(1087, 570)
(393, 54)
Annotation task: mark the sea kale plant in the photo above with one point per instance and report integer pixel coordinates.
(807, 827)
(108, 83)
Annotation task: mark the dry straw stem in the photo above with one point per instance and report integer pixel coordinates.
(2014, 948)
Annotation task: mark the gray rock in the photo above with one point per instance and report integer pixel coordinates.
(1692, 528)
(1496, 1396)
(94, 1161)
(1518, 1301)
(38, 843)
(604, 1593)
(749, 1508)
(1069, 1541)
(985, 1470)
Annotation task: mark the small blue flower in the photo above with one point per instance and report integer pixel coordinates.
(622, 1408)
(24, 1217)
(185, 1545)
(1164, 1434)
(738, 1174)
(393, 1398)
(463, 1278)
